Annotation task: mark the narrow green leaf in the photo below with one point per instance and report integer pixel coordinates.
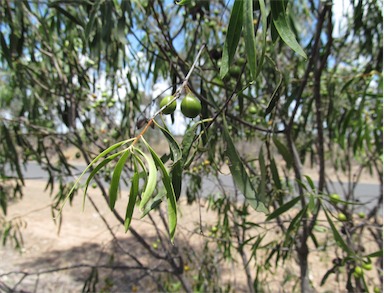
(154, 202)
(283, 151)
(275, 95)
(274, 33)
(134, 191)
(249, 36)
(339, 240)
(176, 174)
(13, 152)
(240, 176)
(280, 21)
(114, 186)
(151, 179)
(173, 145)
(5, 52)
(61, 10)
(311, 203)
(285, 207)
(172, 207)
(295, 222)
(263, 176)
(264, 24)
(94, 171)
(91, 21)
(188, 139)
(378, 253)
(275, 174)
(233, 36)
(310, 182)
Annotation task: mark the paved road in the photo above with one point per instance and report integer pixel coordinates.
(367, 193)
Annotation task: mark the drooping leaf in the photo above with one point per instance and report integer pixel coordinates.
(240, 176)
(310, 182)
(249, 36)
(173, 145)
(151, 179)
(188, 139)
(134, 191)
(154, 202)
(233, 36)
(292, 228)
(275, 95)
(263, 176)
(311, 203)
(177, 176)
(285, 207)
(94, 171)
(264, 24)
(279, 18)
(91, 21)
(172, 207)
(283, 151)
(275, 174)
(336, 235)
(115, 181)
(65, 12)
(5, 52)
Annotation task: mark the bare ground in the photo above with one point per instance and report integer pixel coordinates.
(62, 262)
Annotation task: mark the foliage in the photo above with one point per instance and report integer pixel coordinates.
(279, 75)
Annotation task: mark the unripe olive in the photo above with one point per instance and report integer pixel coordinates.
(170, 108)
(358, 272)
(190, 106)
(334, 198)
(361, 215)
(235, 71)
(342, 217)
(367, 266)
(252, 110)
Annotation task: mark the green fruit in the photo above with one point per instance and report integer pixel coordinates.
(78, 155)
(342, 217)
(361, 215)
(334, 198)
(115, 134)
(94, 185)
(235, 71)
(190, 106)
(214, 229)
(252, 110)
(367, 266)
(376, 290)
(155, 246)
(170, 108)
(241, 60)
(358, 272)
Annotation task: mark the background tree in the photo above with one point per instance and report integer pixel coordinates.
(278, 74)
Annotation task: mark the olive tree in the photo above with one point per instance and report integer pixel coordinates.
(295, 80)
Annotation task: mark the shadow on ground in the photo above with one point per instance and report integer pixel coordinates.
(90, 267)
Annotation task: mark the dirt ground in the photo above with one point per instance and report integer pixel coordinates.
(61, 262)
